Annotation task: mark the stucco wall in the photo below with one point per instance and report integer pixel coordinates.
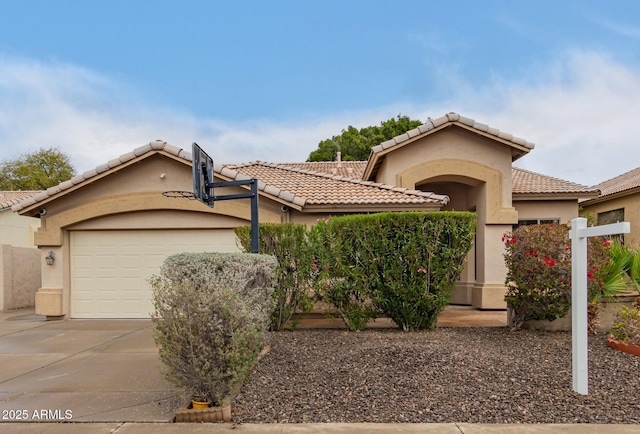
(17, 230)
(631, 205)
(451, 143)
(19, 276)
(565, 210)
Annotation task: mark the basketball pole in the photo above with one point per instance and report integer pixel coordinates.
(253, 195)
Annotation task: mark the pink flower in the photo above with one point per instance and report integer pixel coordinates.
(550, 262)
(422, 270)
(606, 242)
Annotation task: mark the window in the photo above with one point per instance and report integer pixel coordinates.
(608, 217)
(527, 222)
(614, 216)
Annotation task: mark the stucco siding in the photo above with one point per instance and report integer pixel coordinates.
(451, 143)
(17, 230)
(565, 210)
(631, 205)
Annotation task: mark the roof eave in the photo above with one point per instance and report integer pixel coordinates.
(554, 196)
(89, 177)
(617, 195)
(358, 208)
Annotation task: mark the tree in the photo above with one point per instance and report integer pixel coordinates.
(355, 145)
(37, 170)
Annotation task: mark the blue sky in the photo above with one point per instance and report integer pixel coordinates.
(258, 80)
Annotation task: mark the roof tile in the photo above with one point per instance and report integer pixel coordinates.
(297, 184)
(10, 198)
(426, 127)
(527, 182)
(142, 150)
(627, 181)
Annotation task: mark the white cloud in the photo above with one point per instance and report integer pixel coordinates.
(94, 119)
(580, 110)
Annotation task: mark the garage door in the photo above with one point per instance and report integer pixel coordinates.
(109, 268)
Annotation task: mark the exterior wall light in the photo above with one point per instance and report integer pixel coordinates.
(50, 258)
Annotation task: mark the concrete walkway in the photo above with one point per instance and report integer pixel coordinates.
(107, 372)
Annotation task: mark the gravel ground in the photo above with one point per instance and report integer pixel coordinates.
(472, 375)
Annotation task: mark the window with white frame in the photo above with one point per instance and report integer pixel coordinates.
(542, 221)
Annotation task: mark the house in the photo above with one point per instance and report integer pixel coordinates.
(111, 227)
(16, 230)
(19, 259)
(618, 201)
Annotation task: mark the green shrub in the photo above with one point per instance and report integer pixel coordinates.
(337, 283)
(288, 243)
(403, 265)
(211, 316)
(538, 260)
(249, 276)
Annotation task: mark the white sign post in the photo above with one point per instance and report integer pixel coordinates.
(579, 330)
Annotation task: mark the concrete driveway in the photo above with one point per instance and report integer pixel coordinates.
(81, 370)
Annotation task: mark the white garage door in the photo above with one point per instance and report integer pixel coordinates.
(109, 268)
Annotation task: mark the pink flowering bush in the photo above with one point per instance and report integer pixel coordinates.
(538, 260)
(626, 327)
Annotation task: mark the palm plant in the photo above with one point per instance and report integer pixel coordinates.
(628, 260)
(615, 279)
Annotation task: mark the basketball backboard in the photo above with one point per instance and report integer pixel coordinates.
(202, 175)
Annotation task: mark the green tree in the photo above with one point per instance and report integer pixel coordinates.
(37, 170)
(355, 145)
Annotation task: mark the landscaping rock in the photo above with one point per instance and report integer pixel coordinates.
(470, 375)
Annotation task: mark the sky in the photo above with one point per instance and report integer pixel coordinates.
(268, 80)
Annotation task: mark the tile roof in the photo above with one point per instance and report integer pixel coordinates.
(349, 169)
(526, 182)
(306, 183)
(155, 146)
(450, 118)
(519, 146)
(621, 183)
(10, 198)
(318, 188)
(296, 186)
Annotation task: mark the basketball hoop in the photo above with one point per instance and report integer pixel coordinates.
(178, 194)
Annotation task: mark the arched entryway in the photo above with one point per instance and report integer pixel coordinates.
(472, 186)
